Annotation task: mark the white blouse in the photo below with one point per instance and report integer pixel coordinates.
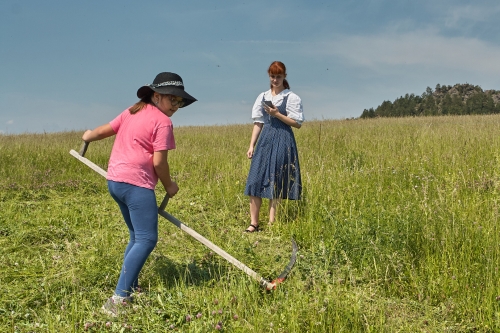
(293, 106)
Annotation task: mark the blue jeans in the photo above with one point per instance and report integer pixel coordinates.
(138, 207)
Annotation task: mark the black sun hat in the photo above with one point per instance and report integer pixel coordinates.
(167, 83)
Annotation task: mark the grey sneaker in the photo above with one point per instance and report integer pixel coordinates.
(116, 305)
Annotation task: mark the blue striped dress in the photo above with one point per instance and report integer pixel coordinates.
(274, 170)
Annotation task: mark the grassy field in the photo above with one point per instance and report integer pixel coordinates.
(398, 232)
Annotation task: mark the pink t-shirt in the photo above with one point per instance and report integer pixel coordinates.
(138, 136)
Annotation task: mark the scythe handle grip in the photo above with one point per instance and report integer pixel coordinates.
(83, 150)
(164, 203)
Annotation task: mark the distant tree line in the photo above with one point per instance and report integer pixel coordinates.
(461, 99)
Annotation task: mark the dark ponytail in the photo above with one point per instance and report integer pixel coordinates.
(141, 104)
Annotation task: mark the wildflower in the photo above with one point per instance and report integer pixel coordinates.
(218, 327)
(220, 311)
(235, 317)
(216, 301)
(188, 318)
(198, 315)
(108, 324)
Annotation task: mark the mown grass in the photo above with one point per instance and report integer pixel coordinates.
(397, 233)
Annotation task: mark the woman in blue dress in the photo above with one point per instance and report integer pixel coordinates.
(274, 171)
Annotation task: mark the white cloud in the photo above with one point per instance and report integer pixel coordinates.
(423, 47)
(10, 122)
(457, 17)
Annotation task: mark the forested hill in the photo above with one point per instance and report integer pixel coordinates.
(459, 99)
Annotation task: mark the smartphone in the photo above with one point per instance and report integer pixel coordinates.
(268, 103)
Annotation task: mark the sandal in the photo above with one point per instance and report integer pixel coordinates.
(255, 228)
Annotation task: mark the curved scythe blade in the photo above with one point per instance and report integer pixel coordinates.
(282, 277)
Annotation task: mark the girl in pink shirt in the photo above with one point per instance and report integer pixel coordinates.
(144, 135)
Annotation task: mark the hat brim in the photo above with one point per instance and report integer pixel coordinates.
(170, 90)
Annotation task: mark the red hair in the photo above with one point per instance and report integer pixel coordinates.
(277, 68)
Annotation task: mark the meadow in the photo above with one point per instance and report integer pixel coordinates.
(397, 232)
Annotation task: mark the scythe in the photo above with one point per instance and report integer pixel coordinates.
(268, 285)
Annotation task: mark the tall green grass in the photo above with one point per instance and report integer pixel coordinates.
(397, 232)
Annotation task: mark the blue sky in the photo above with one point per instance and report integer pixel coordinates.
(68, 65)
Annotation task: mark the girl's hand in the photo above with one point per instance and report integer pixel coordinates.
(250, 152)
(172, 189)
(86, 135)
